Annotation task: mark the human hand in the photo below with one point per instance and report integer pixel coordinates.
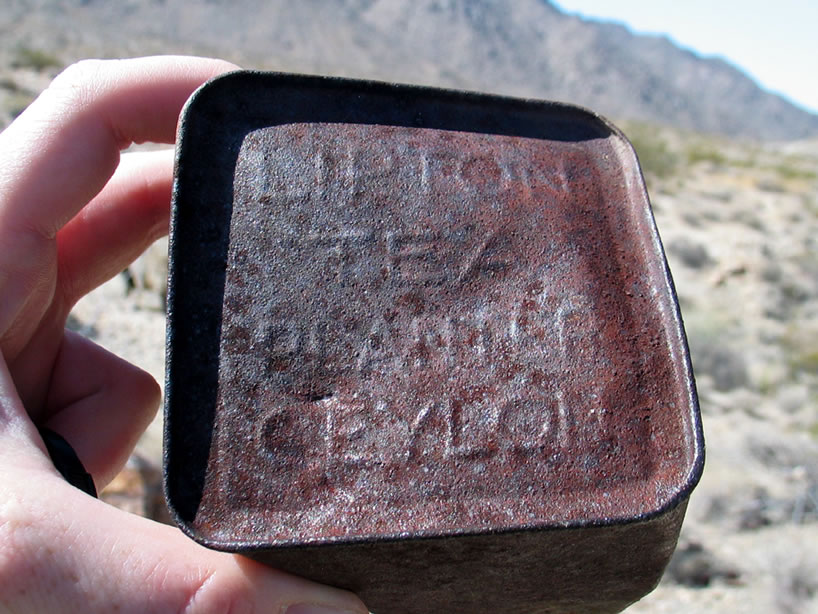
(73, 213)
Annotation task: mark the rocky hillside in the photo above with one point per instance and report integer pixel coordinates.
(739, 225)
(524, 48)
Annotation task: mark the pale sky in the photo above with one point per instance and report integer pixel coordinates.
(774, 41)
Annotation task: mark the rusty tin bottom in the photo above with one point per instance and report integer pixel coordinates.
(424, 345)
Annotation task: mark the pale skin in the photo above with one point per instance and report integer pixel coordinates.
(73, 213)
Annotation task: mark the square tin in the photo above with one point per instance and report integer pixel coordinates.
(424, 345)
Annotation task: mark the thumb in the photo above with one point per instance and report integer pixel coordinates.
(63, 551)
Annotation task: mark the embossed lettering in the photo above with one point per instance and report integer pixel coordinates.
(353, 173)
(370, 433)
(414, 258)
(343, 250)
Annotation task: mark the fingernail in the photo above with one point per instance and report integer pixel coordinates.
(311, 608)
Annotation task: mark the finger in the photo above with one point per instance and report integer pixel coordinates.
(61, 152)
(129, 214)
(63, 149)
(16, 428)
(77, 554)
(100, 404)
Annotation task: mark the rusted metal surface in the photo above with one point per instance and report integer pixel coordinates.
(424, 345)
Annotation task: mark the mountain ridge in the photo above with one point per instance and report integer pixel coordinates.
(529, 49)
